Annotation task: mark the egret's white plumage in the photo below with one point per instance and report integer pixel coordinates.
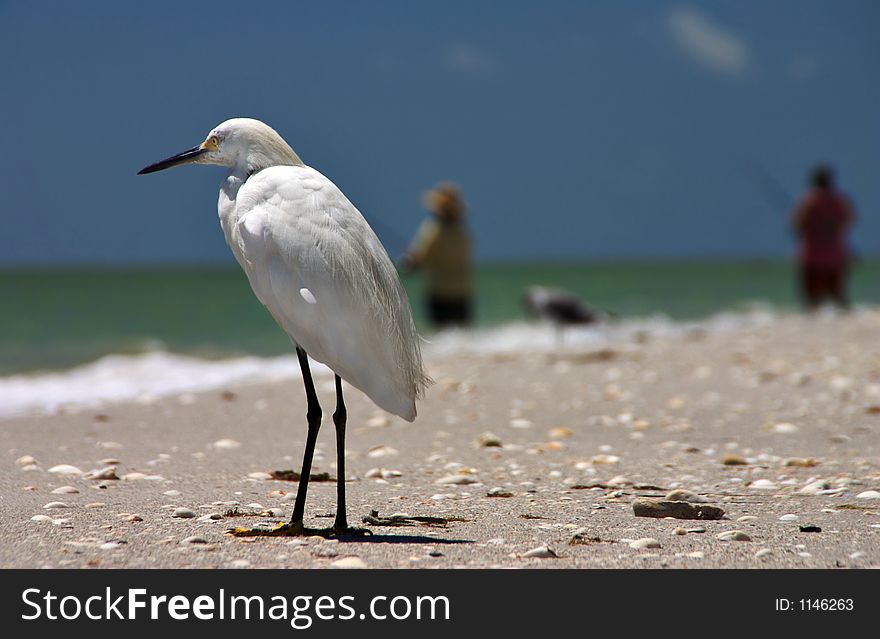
(316, 264)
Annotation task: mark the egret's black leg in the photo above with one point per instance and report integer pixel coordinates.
(339, 419)
(296, 526)
(313, 415)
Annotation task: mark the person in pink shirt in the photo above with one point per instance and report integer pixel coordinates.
(821, 221)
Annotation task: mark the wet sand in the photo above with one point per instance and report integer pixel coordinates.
(776, 423)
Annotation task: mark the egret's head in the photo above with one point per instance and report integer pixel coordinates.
(244, 143)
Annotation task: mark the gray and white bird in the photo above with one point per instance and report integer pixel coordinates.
(560, 308)
(318, 267)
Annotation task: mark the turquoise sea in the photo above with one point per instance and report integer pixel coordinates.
(57, 318)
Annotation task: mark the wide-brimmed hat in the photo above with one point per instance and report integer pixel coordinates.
(445, 200)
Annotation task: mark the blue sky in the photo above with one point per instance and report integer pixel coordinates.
(578, 130)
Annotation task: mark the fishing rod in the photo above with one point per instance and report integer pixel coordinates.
(775, 195)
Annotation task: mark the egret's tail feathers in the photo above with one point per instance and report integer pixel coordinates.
(422, 385)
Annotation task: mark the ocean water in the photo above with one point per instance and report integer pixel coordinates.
(86, 335)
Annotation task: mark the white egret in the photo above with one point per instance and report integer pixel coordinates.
(322, 273)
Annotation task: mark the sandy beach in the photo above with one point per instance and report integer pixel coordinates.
(535, 458)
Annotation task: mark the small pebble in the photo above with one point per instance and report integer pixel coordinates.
(868, 494)
(457, 480)
(763, 484)
(65, 469)
(65, 490)
(799, 462)
(260, 476)
(55, 504)
(382, 451)
(789, 517)
(733, 535)
(645, 542)
(183, 513)
(489, 440)
(41, 518)
(349, 563)
(210, 517)
(814, 487)
(520, 423)
(763, 553)
(498, 491)
(142, 476)
(226, 444)
(25, 460)
(102, 473)
(194, 539)
(541, 552)
(784, 428)
(734, 460)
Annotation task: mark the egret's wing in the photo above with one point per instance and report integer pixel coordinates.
(323, 274)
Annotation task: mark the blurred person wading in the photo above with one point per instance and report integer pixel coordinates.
(442, 248)
(821, 221)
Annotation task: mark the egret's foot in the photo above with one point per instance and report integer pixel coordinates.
(299, 530)
(281, 530)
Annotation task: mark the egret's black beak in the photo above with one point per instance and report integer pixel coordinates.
(181, 158)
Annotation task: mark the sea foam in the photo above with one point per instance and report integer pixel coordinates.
(145, 377)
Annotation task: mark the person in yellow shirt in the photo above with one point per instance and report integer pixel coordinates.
(442, 248)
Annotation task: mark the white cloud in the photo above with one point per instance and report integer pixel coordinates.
(706, 42)
(465, 58)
